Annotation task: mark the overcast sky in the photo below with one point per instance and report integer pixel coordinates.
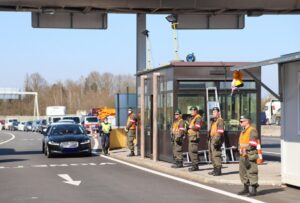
(68, 54)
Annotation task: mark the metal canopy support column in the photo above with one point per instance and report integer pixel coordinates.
(142, 123)
(141, 42)
(154, 127)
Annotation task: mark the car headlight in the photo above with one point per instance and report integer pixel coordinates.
(53, 143)
(86, 142)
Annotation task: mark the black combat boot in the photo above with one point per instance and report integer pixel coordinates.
(252, 191)
(245, 191)
(194, 168)
(212, 172)
(131, 154)
(174, 165)
(218, 172)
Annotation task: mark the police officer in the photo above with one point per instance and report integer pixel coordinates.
(194, 137)
(104, 131)
(177, 131)
(248, 170)
(130, 129)
(215, 142)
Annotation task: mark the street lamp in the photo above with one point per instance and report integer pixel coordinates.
(174, 22)
(146, 33)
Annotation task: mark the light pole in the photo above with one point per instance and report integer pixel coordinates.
(173, 20)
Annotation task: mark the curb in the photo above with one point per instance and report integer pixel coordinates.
(187, 175)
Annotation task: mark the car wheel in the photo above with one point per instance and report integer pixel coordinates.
(48, 152)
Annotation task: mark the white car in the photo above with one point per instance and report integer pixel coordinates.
(21, 126)
(9, 122)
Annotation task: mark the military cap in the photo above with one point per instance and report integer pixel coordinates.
(245, 117)
(193, 108)
(178, 111)
(216, 109)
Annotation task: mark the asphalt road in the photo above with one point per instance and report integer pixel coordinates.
(26, 175)
(271, 148)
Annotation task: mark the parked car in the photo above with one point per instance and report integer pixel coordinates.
(14, 126)
(9, 122)
(21, 126)
(89, 122)
(63, 138)
(35, 126)
(263, 118)
(42, 125)
(2, 123)
(28, 126)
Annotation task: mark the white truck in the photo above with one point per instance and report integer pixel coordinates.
(54, 113)
(272, 110)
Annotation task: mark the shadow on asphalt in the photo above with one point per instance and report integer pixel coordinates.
(269, 191)
(271, 158)
(270, 146)
(11, 160)
(11, 151)
(230, 173)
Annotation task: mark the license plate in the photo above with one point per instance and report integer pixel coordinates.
(69, 144)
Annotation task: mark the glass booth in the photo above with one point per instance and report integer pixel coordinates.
(181, 85)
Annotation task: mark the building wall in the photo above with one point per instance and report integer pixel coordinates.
(290, 140)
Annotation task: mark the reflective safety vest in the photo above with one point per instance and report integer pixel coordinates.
(131, 119)
(176, 128)
(214, 130)
(106, 127)
(191, 131)
(245, 141)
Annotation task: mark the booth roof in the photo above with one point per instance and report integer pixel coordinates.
(194, 64)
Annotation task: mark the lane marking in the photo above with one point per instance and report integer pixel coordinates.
(195, 184)
(12, 138)
(276, 153)
(56, 165)
(69, 180)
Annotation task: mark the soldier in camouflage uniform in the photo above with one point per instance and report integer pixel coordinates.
(130, 129)
(177, 136)
(248, 142)
(194, 137)
(215, 142)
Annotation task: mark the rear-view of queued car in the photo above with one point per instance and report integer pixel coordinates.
(28, 126)
(66, 138)
(90, 122)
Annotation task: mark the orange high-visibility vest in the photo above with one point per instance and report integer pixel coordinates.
(245, 141)
(175, 127)
(191, 131)
(133, 121)
(214, 130)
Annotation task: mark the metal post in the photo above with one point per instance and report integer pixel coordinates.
(142, 123)
(141, 42)
(155, 93)
(174, 26)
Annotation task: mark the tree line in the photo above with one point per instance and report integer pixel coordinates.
(94, 90)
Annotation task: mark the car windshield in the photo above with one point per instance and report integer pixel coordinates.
(29, 123)
(66, 130)
(92, 119)
(55, 120)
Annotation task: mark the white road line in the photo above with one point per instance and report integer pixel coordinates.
(276, 153)
(195, 184)
(12, 137)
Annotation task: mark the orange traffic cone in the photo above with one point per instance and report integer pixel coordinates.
(260, 159)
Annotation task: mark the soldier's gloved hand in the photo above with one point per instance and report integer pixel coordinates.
(126, 130)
